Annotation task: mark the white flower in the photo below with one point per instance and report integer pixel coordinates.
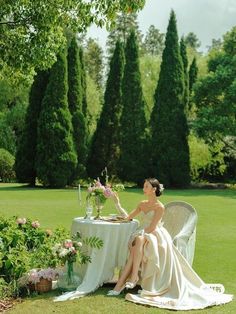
(161, 187)
(63, 253)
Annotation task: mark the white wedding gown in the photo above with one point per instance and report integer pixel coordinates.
(166, 278)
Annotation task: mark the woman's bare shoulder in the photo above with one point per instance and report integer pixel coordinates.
(143, 204)
(159, 206)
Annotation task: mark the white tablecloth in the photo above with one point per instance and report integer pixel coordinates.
(112, 255)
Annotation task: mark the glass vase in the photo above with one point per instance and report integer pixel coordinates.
(69, 280)
(99, 206)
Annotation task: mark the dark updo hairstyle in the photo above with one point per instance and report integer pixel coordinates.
(156, 184)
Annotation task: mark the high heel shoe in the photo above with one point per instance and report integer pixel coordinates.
(114, 293)
(130, 284)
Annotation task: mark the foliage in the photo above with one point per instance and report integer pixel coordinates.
(125, 22)
(193, 72)
(32, 32)
(93, 57)
(183, 54)
(150, 69)
(205, 160)
(215, 95)
(6, 166)
(56, 158)
(169, 130)
(29, 252)
(75, 101)
(154, 41)
(192, 41)
(105, 144)
(24, 245)
(133, 124)
(13, 104)
(26, 151)
(94, 96)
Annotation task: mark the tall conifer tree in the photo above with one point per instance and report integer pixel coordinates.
(184, 57)
(193, 71)
(169, 130)
(77, 105)
(132, 165)
(26, 151)
(83, 83)
(105, 144)
(56, 158)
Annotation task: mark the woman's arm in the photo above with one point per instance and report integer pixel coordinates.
(122, 211)
(134, 213)
(156, 218)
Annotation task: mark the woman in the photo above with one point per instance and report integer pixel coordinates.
(166, 278)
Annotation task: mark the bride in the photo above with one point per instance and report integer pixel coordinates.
(166, 278)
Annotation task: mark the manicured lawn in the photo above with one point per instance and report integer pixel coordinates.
(215, 255)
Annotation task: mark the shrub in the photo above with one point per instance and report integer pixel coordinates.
(6, 165)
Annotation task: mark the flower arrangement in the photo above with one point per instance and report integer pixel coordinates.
(100, 193)
(67, 251)
(70, 251)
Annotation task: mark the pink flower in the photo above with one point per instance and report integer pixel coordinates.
(21, 221)
(68, 244)
(98, 184)
(108, 192)
(35, 224)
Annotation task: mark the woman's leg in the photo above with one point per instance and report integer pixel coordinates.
(137, 257)
(126, 271)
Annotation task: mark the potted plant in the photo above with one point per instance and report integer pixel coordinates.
(39, 280)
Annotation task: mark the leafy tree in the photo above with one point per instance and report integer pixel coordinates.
(154, 41)
(191, 40)
(215, 44)
(125, 22)
(94, 61)
(26, 152)
(215, 95)
(169, 130)
(105, 144)
(6, 165)
(150, 69)
(56, 158)
(31, 32)
(94, 106)
(206, 160)
(76, 92)
(133, 165)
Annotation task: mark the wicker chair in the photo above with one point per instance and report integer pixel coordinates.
(180, 220)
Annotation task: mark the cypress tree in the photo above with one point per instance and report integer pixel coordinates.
(193, 71)
(83, 83)
(105, 144)
(184, 57)
(56, 158)
(26, 150)
(132, 164)
(77, 104)
(169, 130)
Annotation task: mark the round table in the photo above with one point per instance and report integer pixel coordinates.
(113, 254)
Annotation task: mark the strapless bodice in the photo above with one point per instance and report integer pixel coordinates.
(146, 218)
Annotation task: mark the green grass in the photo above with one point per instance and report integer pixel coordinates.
(215, 254)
